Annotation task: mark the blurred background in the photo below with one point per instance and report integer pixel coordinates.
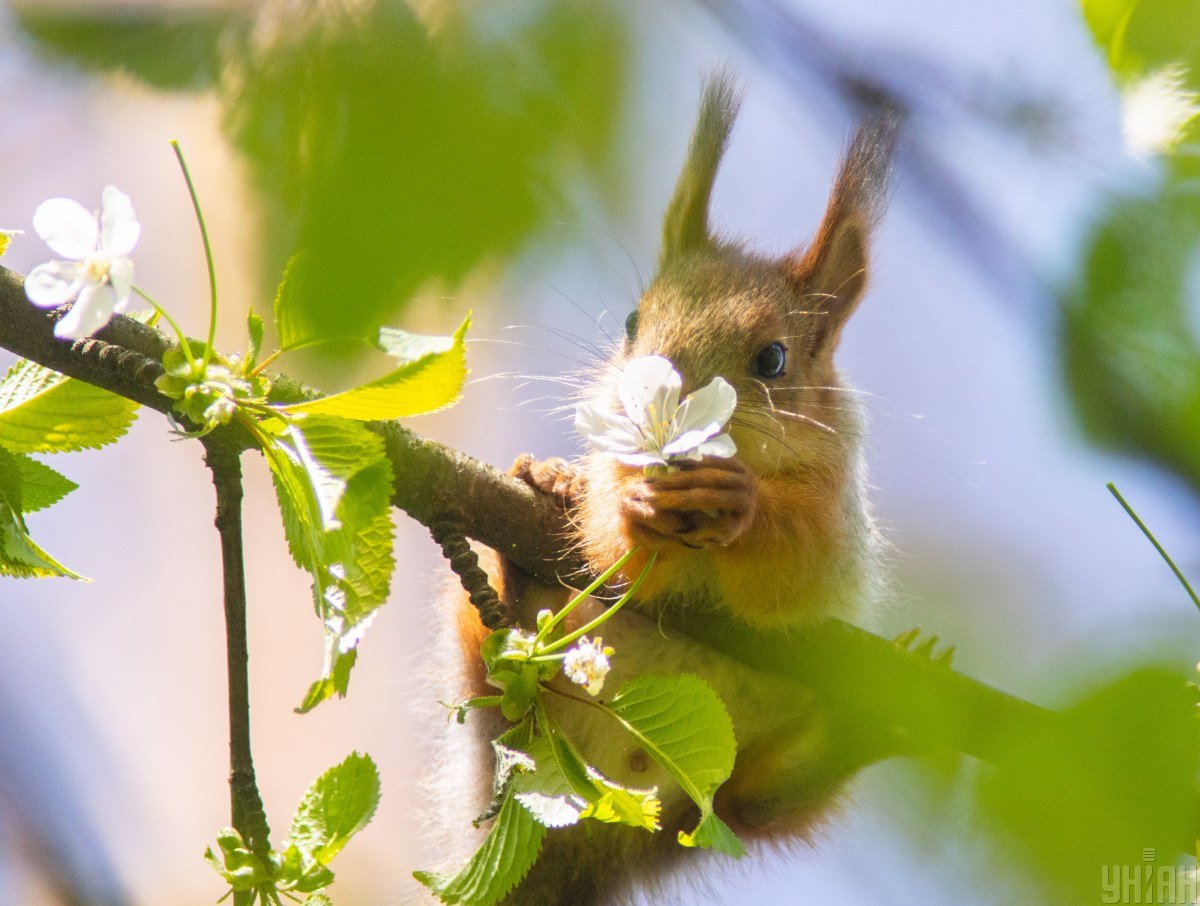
(1030, 334)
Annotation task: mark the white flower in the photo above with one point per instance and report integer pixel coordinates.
(1155, 111)
(587, 665)
(97, 266)
(655, 427)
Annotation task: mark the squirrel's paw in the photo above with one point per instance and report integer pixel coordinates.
(553, 476)
(703, 504)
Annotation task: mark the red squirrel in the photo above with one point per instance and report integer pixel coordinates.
(779, 535)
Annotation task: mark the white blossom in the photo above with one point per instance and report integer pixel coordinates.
(1155, 111)
(655, 427)
(587, 665)
(95, 264)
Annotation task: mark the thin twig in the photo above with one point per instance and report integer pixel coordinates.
(246, 807)
(1162, 552)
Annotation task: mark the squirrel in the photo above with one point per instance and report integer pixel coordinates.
(779, 535)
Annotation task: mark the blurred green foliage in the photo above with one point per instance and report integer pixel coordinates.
(1131, 332)
(171, 52)
(1113, 779)
(1142, 35)
(388, 149)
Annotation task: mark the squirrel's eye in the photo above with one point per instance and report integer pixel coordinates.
(631, 324)
(771, 360)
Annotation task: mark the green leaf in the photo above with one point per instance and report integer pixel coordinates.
(555, 793)
(241, 869)
(42, 411)
(19, 555)
(254, 328)
(520, 692)
(681, 723)
(1144, 35)
(5, 238)
(289, 322)
(427, 383)
(1110, 779)
(334, 482)
(41, 486)
(561, 789)
(318, 899)
(713, 833)
(511, 848)
(340, 803)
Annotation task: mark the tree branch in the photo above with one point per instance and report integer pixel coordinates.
(858, 672)
(246, 806)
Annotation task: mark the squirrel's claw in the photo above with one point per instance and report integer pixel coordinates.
(697, 507)
(553, 476)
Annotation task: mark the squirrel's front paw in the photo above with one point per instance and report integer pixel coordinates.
(553, 476)
(703, 504)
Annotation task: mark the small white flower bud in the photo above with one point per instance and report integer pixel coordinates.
(587, 664)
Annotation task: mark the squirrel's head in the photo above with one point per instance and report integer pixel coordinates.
(768, 326)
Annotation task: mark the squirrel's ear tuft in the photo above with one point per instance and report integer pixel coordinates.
(686, 225)
(832, 272)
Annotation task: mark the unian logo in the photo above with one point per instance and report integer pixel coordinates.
(1149, 884)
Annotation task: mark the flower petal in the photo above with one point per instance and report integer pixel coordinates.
(606, 430)
(722, 445)
(714, 402)
(690, 440)
(642, 459)
(651, 383)
(119, 227)
(52, 283)
(120, 275)
(93, 310)
(67, 227)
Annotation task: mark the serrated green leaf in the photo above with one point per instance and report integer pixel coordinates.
(20, 556)
(42, 411)
(511, 848)
(338, 805)
(562, 788)
(508, 762)
(408, 347)
(333, 482)
(41, 486)
(318, 899)
(544, 788)
(289, 320)
(713, 833)
(430, 382)
(683, 725)
(254, 329)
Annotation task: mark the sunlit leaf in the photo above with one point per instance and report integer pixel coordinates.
(340, 803)
(42, 411)
(20, 556)
(427, 383)
(509, 851)
(333, 482)
(683, 725)
(41, 486)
